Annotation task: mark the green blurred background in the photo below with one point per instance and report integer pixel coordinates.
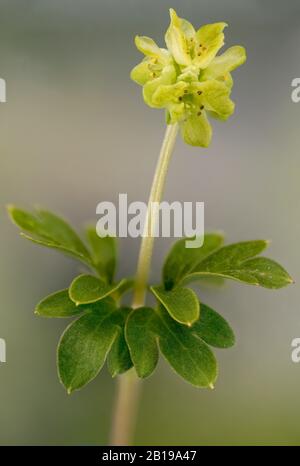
(75, 132)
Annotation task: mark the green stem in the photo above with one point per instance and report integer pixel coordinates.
(128, 387)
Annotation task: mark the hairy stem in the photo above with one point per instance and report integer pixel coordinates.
(129, 385)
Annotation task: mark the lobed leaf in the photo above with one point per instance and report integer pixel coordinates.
(58, 304)
(181, 303)
(86, 343)
(86, 289)
(181, 260)
(45, 228)
(141, 340)
(238, 262)
(213, 329)
(104, 253)
(119, 360)
(187, 354)
(231, 255)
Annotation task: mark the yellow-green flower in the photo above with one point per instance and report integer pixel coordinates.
(187, 78)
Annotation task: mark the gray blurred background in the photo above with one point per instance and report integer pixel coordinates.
(74, 132)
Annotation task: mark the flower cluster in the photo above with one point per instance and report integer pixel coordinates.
(187, 78)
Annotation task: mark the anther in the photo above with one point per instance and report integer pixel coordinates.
(199, 113)
(202, 107)
(199, 92)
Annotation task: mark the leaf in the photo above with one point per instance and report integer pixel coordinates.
(231, 255)
(213, 329)
(188, 355)
(86, 289)
(142, 341)
(104, 253)
(58, 305)
(44, 228)
(265, 272)
(85, 344)
(181, 260)
(119, 360)
(181, 303)
(238, 262)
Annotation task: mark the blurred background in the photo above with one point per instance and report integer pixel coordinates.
(74, 132)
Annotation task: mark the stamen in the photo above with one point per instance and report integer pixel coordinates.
(202, 107)
(199, 92)
(199, 113)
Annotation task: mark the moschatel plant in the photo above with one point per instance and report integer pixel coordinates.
(191, 82)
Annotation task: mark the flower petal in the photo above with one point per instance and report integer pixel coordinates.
(196, 130)
(165, 94)
(225, 63)
(216, 98)
(177, 37)
(141, 73)
(188, 29)
(148, 47)
(210, 39)
(168, 76)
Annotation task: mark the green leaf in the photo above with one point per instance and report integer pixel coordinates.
(85, 344)
(104, 253)
(86, 289)
(238, 262)
(264, 272)
(44, 228)
(232, 255)
(181, 303)
(181, 260)
(141, 340)
(118, 360)
(58, 305)
(187, 354)
(213, 329)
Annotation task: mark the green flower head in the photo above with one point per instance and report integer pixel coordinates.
(187, 78)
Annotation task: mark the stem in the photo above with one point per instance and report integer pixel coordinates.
(128, 388)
